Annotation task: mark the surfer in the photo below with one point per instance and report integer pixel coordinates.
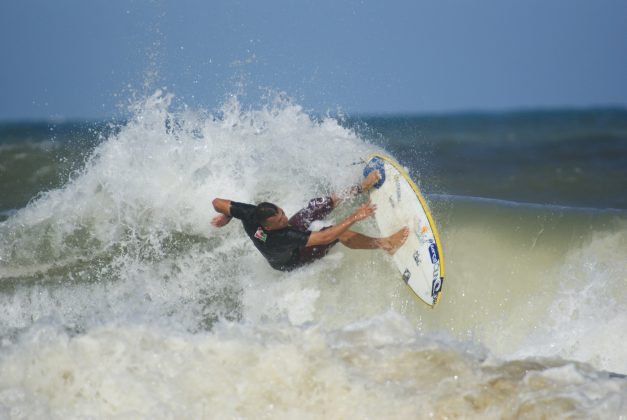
(288, 243)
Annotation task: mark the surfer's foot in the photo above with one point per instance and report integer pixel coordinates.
(372, 178)
(393, 242)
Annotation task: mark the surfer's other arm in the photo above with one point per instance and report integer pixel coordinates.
(223, 207)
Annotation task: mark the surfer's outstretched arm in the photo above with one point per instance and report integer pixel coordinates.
(329, 235)
(223, 207)
(365, 185)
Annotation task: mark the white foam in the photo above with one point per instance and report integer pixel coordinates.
(369, 369)
(588, 317)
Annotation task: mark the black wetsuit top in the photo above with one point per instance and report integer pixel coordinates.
(279, 247)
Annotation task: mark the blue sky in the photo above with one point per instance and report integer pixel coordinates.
(83, 59)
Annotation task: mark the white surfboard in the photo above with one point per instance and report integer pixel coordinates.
(399, 203)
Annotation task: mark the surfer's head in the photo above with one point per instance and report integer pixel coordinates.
(270, 216)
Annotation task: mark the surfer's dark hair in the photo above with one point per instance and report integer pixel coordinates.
(265, 210)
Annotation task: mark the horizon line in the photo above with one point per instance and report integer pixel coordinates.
(521, 110)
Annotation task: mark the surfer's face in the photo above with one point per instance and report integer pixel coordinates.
(278, 221)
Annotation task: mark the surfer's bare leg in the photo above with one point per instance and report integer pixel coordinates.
(390, 244)
(354, 240)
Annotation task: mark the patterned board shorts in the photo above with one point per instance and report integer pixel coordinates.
(317, 209)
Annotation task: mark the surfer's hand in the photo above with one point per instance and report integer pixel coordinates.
(372, 178)
(220, 220)
(364, 211)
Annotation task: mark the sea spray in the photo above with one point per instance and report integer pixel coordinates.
(132, 229)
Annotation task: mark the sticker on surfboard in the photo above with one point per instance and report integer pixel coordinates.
(400, 203)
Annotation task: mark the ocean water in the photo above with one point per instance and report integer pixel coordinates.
(119, 300)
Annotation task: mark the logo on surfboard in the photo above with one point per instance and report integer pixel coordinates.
(406, 275)
(436, 284)
(422, 233)
(433, 252)
(436, 287)
(417, 257)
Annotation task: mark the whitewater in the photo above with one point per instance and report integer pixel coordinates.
(118, 299)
